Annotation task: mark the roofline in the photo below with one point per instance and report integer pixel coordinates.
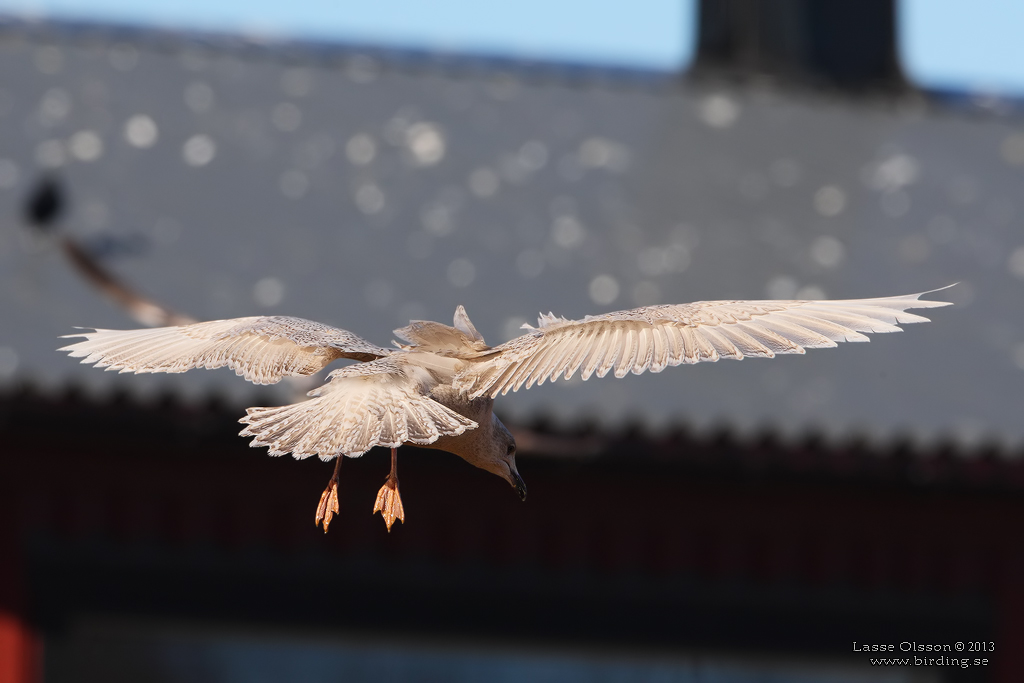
(898, 461)
(328, 53)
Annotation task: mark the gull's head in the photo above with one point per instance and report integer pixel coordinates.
(490, 446)
(502, 457)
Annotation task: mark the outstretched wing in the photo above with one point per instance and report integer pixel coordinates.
(381, 403)
(654, 337)
(261, 349)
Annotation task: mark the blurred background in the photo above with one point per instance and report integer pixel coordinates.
(366, 164)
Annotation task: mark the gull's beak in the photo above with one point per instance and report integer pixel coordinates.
(520, 485)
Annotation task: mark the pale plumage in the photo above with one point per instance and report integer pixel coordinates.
(260, 349)
(437, 389)
(655, 337)
(384, 402)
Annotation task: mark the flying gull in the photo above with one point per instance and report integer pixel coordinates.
(437, 390)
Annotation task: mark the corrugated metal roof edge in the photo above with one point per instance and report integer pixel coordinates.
(985, 461)
(810, 440)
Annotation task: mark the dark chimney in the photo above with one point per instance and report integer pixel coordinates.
(848, 44)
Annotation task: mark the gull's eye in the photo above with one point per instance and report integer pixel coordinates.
(511, 449)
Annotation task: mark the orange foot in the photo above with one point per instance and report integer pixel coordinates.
(328, 504)
(389, 502)
(329, 498)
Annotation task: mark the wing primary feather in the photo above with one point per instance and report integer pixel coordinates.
(825, 328)
(624, 363)
(747, 344)
(698, 348)
(610, 351)
(720, 342)
(660, 353)
(882, 314)
(523, 372)
(557, 364)
(582, 347)
(770, 339)
(595, 353)
(534, 366)
(645, 349)
(799, 334)
(855, 321)
(504, 381)
(547, 360)
(676, 346)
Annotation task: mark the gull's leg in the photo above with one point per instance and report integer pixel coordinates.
(389, 503)
(329, 498)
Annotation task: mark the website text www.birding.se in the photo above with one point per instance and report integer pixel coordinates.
(961, 654)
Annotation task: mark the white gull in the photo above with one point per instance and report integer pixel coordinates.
(437, 390)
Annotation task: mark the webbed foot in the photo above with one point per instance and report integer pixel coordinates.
(389, 502)
(328, 505)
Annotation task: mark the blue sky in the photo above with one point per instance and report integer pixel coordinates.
(967, 45)
(973, 45)
(647, 34)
